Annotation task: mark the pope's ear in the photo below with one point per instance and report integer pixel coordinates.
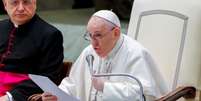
(117, 31)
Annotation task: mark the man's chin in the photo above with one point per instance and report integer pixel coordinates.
(20, 21)
(101, 55)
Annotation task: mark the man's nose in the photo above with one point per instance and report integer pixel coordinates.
(94, 42)
(20, 7)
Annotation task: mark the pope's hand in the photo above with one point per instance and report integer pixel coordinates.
(4, 98)
(98, 83)
(48, 97)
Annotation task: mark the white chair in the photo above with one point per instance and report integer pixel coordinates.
(170, 29)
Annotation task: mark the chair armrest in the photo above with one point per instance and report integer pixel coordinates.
(188, 92)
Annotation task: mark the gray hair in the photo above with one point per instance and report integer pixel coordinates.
(109, 24)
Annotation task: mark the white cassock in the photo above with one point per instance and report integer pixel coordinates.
(128, 56)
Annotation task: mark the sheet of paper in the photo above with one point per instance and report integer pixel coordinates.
(48, 86)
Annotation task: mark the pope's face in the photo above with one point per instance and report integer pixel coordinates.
(20, 11)
(103, 38)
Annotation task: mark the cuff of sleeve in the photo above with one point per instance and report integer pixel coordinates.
(120, 92)
(10, 97)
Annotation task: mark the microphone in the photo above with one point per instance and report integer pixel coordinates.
(90, 59)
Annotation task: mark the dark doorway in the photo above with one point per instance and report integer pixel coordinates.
(2, 11)
(82, 4)
(121, 7)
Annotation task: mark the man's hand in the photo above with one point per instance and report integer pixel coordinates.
(4, 98)
(98, 83)
(48, 97)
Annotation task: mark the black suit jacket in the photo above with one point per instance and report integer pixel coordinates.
(38, 49)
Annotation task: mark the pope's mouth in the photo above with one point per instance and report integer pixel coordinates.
(97, 49)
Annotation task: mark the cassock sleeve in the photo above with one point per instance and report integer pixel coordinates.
(52, 59)
(50, 65)
(73, 82)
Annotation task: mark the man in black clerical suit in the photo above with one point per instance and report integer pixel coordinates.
(28, 45)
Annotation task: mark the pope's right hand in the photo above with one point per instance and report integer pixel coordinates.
(48, 97)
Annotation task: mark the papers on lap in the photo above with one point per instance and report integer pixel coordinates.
(48, 86)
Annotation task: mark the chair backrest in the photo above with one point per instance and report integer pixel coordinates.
(65, 72)
(170, 29)
(67, 68)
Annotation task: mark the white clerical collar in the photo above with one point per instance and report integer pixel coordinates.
(116, 47)
(16, 26)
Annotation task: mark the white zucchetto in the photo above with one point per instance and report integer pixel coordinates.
(109, 16)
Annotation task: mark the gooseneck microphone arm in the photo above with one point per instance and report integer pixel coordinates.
(124, 75)
(90, 59)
